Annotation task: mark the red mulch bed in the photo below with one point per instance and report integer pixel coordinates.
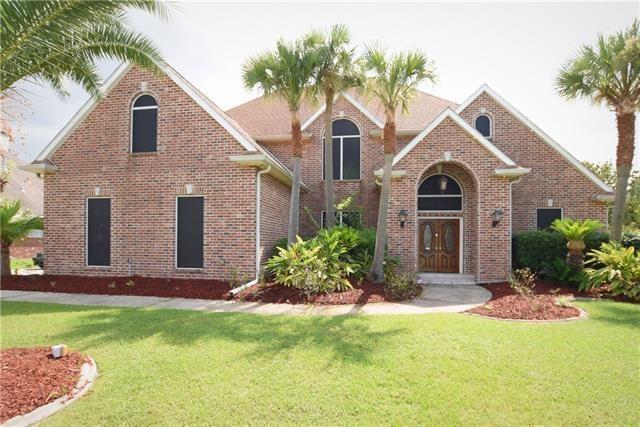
(31, 377)
(360, 294)
(506, 304)
(135, 285)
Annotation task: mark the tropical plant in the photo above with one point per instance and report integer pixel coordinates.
(575, 231)
(609, 73)
(288, 73)
(16, 224)
(522, 281)
(620, 270)
(50, 41)
(337, 71)
(393, 80)
(560, 271)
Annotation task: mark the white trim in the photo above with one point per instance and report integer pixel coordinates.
(353, 102)
(449, 113)
(262, 160)
(548, 208)
(86, 231)
(511, 172)
(133, 109)
(539, 132)
(39, 168)
(175, 240)
(460, 238)
(83, 112)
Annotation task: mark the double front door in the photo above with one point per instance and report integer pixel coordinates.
(439, 245)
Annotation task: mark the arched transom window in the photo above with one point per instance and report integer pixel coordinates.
(439, 193)
(346, 150)
(144, 124)
(483, 125)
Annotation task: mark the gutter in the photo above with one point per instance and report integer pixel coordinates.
(241, 288)
(277, 169)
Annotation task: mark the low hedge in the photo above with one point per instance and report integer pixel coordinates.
(533, 249)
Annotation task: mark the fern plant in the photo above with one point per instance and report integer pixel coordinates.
(575, 231)
(620, 270)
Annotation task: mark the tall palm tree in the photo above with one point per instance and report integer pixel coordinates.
(609, 73)
(15, 224)
(288, 73)
(48, 41)
(392, 79)
(337, 71)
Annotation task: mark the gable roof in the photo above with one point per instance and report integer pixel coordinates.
(485, 88)
(477, 136)
(263, 117)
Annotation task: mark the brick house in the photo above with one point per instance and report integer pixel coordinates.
(156, 180)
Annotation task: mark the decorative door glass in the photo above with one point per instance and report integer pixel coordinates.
(449, 238)
(427, 237)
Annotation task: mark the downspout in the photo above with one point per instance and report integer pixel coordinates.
(515, 181)
(240, 288)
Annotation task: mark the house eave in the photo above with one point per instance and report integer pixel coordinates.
(604, 197)
(511, 172)
(283, 137)
(395, 174)
(402, 132)
(263, 161)
(39, 168)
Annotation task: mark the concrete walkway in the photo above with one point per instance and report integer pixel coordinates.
(434, 299)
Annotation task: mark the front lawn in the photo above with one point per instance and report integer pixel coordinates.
(182, 367)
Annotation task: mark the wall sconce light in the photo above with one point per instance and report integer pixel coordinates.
(403, 217)
(497, 217)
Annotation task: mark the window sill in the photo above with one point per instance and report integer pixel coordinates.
(337, 181)
(190, 269)
(143, 154)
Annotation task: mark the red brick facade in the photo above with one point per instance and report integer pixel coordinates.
(194, 150)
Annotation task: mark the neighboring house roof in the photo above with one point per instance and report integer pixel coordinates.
(539, 132)
(512, 169)
(23, 186)
(40, 164)
(263, 117)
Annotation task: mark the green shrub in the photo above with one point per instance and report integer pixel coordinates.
(631, 240)
(401, 286)
(559, 271)
(533, 248)
(280, 243)
(620, 269)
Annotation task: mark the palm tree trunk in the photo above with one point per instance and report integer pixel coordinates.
(5, 261)
(389, 136)
(624, 162)
(296, 145)
(330, 220)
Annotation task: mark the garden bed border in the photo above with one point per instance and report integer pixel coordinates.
(582, 316)
(88, 374)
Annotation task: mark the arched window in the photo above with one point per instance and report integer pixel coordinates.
(483, 125)
(439, 193)
(144, 124)
(346, 150)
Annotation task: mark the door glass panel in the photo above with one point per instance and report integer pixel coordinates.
(449, 238)
(427, 237)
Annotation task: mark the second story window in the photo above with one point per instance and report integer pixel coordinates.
(346, 150)
(144, 124)
(483, 125)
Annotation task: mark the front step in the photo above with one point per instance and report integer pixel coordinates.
(446, 279)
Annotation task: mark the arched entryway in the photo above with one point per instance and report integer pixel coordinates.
(446, 212)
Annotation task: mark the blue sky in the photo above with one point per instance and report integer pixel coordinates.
(517, 48)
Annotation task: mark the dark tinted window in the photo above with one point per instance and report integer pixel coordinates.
(190, 232)
(346, 150)
(144, 127)
(439, 193)
(345, 127)
(433, 186)
(350, 218)
(98, 232)
(483, 125)
(440, 203)
(547, 216)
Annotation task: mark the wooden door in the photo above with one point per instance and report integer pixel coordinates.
(439, 245)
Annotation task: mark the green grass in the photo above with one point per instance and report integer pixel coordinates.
(17, 263)
(185, 367)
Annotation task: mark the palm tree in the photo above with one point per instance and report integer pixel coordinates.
(337, 72)
(609, 73)
(392, 79)
(15, 224)
(288, 73)
(48, 41)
